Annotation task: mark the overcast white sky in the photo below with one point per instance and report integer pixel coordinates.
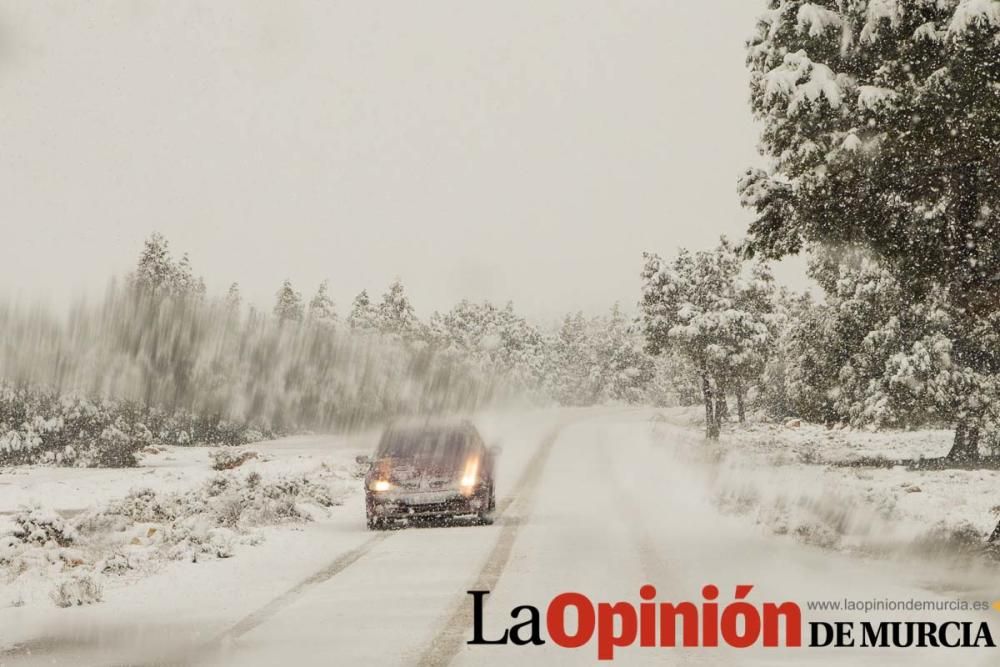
(510, 150)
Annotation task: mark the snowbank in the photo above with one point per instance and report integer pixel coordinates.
(805, 482)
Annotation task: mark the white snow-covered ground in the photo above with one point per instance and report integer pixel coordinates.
(74, 493)
(793, 480)
(599, 501)
(73, 490)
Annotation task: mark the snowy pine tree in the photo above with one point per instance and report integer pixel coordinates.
(234, 298)
(702, 307)
(518, 348)
(288, 305)
(158, 275)
(155, 271)
(395, 315)
(321, 308)
(753, 336)
(623, 369)
(800, 378)
(466, 328)
(572, 375)
(882, 123)
(184, 282)
(674, 381)
(362, 316)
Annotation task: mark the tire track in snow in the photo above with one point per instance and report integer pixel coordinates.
(451, 637)
(651, 563)
(220, 642)
(258, 617)
(654, 563)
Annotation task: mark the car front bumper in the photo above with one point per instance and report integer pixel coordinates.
(430, 504)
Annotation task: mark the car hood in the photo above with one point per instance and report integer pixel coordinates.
(416, 474)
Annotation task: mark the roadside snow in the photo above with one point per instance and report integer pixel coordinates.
(66, 530)
(807, 482)
(170, 469)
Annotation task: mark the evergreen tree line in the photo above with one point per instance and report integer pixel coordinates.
(164, 362)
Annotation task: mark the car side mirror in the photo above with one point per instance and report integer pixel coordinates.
(363, 459)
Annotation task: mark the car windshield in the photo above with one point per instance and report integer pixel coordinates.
(436, 446)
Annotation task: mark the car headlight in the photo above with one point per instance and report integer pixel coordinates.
(470, 477)
(381, 485)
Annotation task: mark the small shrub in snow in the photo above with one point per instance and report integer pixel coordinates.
(810, 457)
(947, 540)
(116, 448)
(10, 549)
(117, 563)
(818, 534)
(146, 506)
(221, 540)
(229, 508)
(76, 590)
(197, 537)
(37, 526)
(227, 459)
(223, 501)
(252, 435)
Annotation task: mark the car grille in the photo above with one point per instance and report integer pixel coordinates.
(423, 483)
(447, 507)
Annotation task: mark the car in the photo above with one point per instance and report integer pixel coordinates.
(438, 470)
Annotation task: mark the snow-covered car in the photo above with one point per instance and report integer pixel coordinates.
(429, 470)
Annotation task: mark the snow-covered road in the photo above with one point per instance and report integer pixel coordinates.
(598, 502)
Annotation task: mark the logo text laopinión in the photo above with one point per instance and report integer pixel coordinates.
(571, 620)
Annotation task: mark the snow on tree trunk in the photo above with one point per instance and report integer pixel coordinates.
(741, 411)
(966, 444)
(711, 420)
(721, 406)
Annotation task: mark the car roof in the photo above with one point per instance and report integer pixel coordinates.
(435, 438)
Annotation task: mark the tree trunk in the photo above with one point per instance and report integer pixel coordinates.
(966, 291)
(721, 405)
(995, 537)
(741, 409)
(711, 421)
(966, 444)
